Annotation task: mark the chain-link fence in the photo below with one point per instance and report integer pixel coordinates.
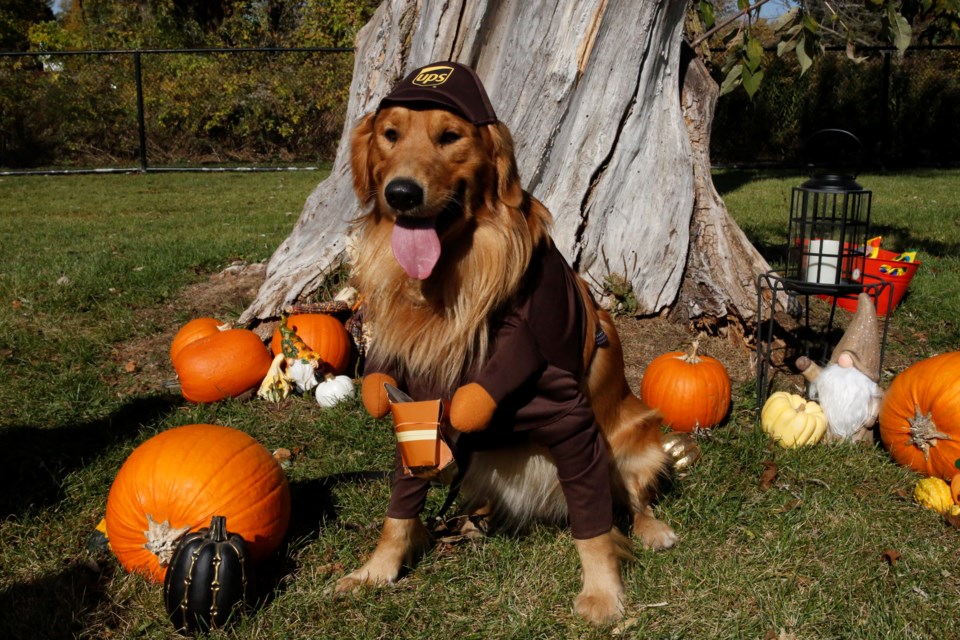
(164, 109)
(269, 108)
(905, 111)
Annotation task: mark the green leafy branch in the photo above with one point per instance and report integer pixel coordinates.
(806, 29)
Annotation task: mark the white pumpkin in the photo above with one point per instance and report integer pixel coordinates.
(334, 389)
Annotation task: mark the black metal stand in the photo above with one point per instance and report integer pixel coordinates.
(775, 284)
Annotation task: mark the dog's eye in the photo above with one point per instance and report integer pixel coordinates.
(448, 137)
(391, 135)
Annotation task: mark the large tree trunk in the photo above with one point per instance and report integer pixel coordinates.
(591, 92)
(720, 279)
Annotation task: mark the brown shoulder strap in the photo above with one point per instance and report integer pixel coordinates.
(591, 321)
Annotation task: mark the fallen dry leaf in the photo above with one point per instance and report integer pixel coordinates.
(769, 475)
(891, 556)
(624, 625)
(790, 506)
(130, 367)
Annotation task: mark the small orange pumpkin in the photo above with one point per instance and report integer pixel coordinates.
(323, 334)
(194, 330)
(691, 391)
(178, 480)
(222, 365)
(920, 416)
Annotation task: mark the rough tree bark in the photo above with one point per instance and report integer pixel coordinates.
(591, 91)
(720, 279)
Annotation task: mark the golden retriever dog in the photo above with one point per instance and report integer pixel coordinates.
(470, 301)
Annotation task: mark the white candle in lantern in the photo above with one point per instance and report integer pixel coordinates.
(822, 261)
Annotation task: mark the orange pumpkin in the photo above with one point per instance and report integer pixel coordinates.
(222, 365)
(920, 416)
(691, 391)
(322, 333)
(178, 480)
(192, 331)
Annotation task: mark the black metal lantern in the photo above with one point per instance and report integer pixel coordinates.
(826, 251)
(829, 214)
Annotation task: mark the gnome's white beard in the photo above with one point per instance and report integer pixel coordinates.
(849, 399)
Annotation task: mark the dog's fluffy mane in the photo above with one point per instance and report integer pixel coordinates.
(445, 319)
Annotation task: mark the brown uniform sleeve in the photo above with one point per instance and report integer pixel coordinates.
(514, 359)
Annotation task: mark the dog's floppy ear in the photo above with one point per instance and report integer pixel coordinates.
(500, 144)
(360, 143)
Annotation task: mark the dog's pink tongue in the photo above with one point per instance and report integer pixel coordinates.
(416, 246)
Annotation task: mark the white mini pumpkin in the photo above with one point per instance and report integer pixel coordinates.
(334, 389)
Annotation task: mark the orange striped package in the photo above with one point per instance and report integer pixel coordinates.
(422, 447)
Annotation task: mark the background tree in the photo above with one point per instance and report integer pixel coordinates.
(810, 26)
(16, 17)
(125, 24)
(200, 108)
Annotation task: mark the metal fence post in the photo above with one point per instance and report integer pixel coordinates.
(140, 124)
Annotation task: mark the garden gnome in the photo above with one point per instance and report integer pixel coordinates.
(847, 387)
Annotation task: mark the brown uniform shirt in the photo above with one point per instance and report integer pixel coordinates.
(533, 372)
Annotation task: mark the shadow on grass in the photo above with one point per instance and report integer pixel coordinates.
(313, 508)
(61, 605)
(54, 606)
(726, 181)
(897, 238)
(730, 180)
(35, 461)
(905, 239)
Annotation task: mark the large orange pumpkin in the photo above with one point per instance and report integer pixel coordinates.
(690, 390)
(920, 416)
(179, 479)
(322, 333)
(222, 365)
(196, 329)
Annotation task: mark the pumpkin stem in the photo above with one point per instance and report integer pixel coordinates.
(162, 539)
(924, 433)
(692, 357)
(218, 529)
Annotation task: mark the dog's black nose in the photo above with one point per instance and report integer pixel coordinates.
(403, 194)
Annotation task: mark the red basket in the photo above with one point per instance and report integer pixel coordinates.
(898, 283)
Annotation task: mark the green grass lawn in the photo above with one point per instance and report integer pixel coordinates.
(92, 264)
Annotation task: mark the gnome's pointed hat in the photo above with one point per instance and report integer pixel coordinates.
(861, 340)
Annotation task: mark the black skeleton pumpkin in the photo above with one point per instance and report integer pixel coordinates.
(207, 578)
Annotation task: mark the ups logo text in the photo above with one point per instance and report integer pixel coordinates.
(432, 76)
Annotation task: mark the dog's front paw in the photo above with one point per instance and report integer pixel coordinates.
(599, 607)
(653, 534)
(360, 578)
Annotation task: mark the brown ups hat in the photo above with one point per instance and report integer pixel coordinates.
(448, 85)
